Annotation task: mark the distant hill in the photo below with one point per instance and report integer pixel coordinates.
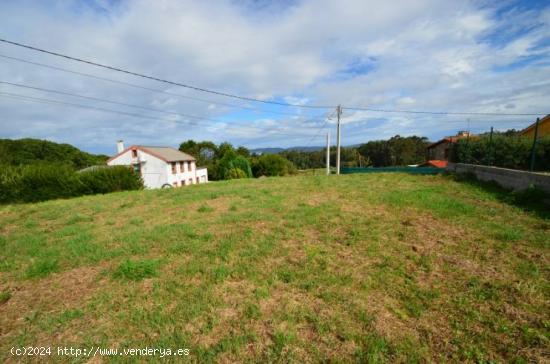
(299, 149)
(31, 151)
(278, 150)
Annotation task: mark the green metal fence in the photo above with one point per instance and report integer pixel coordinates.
(413, 170)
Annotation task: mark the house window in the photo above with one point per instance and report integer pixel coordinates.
(174, 168)
(181, 167)
(197, 179)
(137, 168)
(447, 153)
(134, 153)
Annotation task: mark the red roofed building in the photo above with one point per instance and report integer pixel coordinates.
(440, 150)
(435, 163)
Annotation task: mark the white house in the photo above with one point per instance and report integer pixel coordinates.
(160, 166)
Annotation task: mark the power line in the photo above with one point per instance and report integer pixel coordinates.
(57, 102)
(144, 87)
(254, 99)
(323, 127)
(107, 101)
(112, 68)
(439, 112)
(113, 102)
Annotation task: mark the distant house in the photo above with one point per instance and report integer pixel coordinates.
(440, 150)
(160, 166)
(544, 128)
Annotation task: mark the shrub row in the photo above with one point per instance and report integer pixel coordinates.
(32, 183)
(503, 151)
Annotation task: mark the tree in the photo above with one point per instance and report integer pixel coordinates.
(36, 151)
(243, 151)
(224, 148)
(397, 151)
(271, 165)
(204, 151)
(230, 161)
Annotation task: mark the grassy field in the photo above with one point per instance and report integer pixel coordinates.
(355, 268)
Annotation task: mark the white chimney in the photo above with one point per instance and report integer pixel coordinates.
(119, 146)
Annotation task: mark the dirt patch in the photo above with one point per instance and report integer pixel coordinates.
(60, 291)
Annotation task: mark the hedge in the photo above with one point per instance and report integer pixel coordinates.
(32, 183)
(512, 152)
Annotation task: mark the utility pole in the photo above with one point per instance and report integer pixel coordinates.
(328, 153)
(338, 113)
(534, 149)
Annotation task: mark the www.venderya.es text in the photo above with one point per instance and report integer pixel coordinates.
(42, 351)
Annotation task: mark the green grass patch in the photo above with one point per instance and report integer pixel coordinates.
(136, 270)
(42, 268)
(5, 296)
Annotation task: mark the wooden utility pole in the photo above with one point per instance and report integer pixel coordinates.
(328, 153)
(534, 149)
(338, 113)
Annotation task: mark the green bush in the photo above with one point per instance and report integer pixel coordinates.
(111, 179)
(272, 165)
(504, 151)
(235, 173)
(34, 183)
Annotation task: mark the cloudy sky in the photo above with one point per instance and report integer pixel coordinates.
(459, 56)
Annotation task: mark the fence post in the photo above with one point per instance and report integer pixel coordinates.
(490, 154)
(534, 149)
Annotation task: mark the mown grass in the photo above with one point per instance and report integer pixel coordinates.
(356, 268)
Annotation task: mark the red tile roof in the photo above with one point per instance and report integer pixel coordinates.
(435, 163)
(452, 139)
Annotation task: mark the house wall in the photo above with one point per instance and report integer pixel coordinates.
(187, 176)
(544, 129)
(153, 169)
(202, 174)
(438, 152)
(507, 178)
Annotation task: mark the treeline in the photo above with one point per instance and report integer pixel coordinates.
(224, 161)
(35, 151)
(396, 151)
(504, 150)
(33, 183)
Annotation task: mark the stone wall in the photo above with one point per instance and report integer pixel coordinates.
(507, 178)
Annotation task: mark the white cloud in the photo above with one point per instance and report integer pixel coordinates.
(426, 55)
